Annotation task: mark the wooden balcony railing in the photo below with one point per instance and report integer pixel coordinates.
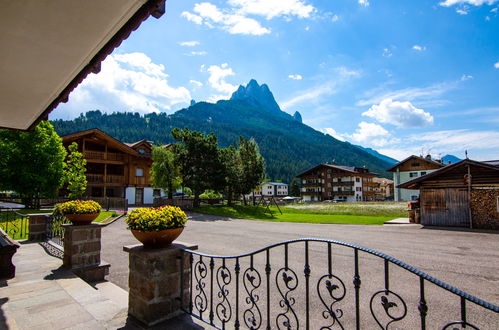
(99, 155)
(95, 178)
(343, 183)
(115, 179)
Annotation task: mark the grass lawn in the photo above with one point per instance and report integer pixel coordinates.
(17, 227)
(350, 213)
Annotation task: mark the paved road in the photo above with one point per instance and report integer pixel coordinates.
(466, 259)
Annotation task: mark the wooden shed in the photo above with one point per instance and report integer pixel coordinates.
(464, 194)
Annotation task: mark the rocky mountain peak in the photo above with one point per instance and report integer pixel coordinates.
(257, 95)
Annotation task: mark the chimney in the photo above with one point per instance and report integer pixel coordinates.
(428, 157)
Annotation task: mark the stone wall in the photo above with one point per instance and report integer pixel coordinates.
(154, 282)
(484, 208)
(82, 245)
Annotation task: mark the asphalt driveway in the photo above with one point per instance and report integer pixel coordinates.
(466, 259)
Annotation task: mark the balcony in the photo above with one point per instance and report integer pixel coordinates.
(99, 178)
(99, 155)
(343, 193)
(343, 184)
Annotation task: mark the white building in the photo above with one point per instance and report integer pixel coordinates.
(410, 168)
(275, 189)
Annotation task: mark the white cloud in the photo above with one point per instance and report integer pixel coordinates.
(462, 11)
(425, 96)
(310, 94)
(217, 80)
(372, 134)
(387, 52)
(333, 133)
(127, 82)
(192, 17)
(274, 8)
(448, 3)
(211, 16)
(364, 3)
(465, 77)
(400, 114)
(459, 140)
(196, 53)
(326, 87)
(496, 65)
(295, 76)
(196, 83)
(189, 43)
(234, 19)
(419, 48)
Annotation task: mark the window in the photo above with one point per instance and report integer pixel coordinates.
(139, 171)
(423, 173)
(357, 179)
(414, 197)
(413, 174)
(141, 151)
(156, 193)
(415, 164)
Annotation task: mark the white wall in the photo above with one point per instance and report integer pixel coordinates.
(401, 177)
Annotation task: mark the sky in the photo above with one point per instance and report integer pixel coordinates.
(402, 77)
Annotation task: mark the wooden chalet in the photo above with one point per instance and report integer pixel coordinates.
(334, 182)
(464, 194)
(115, 169)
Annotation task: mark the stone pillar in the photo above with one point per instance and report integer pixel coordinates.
(37, 226)
(82, 245)
(154, 282)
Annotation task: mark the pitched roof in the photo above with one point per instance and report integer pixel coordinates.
(95, 131)
(54, 45)
(424, 159)
(415, 183)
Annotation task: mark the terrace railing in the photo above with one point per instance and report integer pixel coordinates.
(54, 234)
(14, 224)
(326, 284)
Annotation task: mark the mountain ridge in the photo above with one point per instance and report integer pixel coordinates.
(288, 146)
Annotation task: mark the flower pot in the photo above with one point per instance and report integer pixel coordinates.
(157, 239)
(81, 219)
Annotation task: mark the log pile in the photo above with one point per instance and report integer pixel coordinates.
(484, 208)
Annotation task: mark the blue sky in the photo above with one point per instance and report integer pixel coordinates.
(402, 77)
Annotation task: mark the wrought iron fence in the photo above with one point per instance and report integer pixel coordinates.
(54, 235)
(263, 289)
(14, 224)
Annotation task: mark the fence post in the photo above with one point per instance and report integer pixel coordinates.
(37, 227)
(154, 281)
(82, 245)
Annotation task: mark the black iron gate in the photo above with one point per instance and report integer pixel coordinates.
(14, 224)
(342, 286)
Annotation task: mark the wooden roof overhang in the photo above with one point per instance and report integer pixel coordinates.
(50, 46)
(98, 135)
(482, 174)
(423, 159)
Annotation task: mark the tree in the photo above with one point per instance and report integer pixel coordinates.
(294, 188)
(252, 166)
(233, 171)
(32, 163)
(200, 161)
(165, 172)
(74, 172)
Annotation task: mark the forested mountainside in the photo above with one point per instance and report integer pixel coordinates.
(288, 146)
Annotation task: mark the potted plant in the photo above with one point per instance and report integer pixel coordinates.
(79, 212)
(156, 227)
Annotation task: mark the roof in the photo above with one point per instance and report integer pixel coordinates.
(431, 161)
(350, 169)
(276, 183)
(54, 45)
(100, 134)
(381, 180)
(415, 183)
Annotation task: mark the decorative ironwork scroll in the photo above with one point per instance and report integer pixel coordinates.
(200, 273)
(224, 278)
(252, 281)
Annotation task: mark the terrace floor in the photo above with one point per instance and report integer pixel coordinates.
(43, 295)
